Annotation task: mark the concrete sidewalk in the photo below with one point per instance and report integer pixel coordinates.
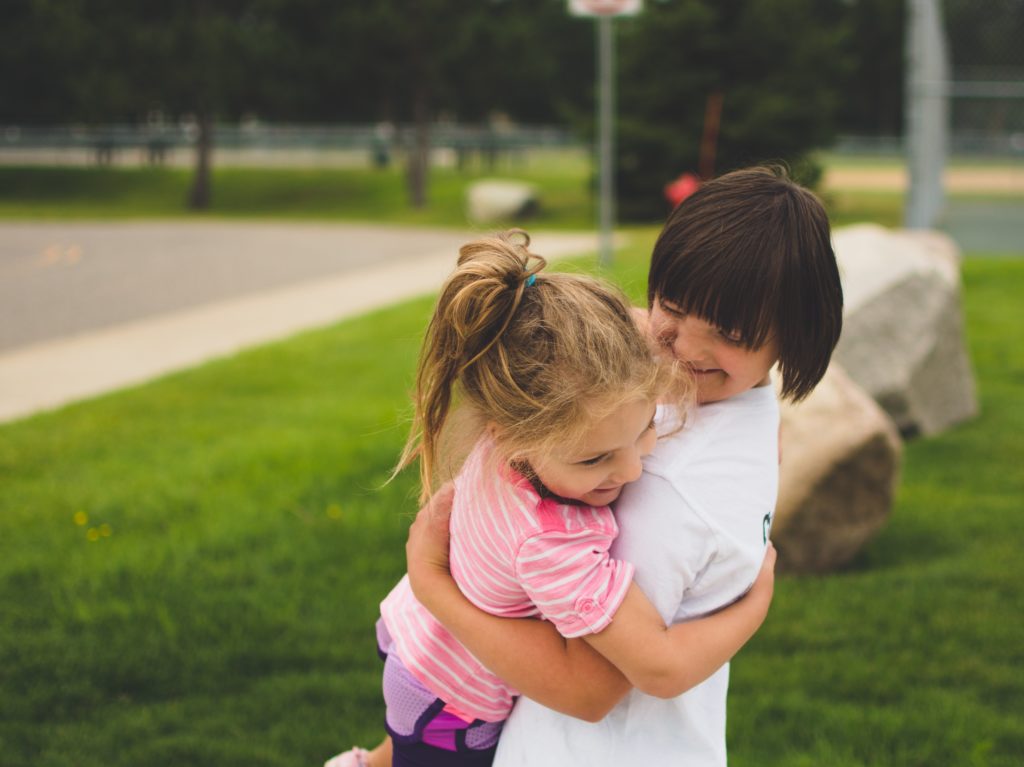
(50, 373)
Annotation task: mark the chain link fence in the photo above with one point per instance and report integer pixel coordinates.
(269, 145)
(986, 52)
(985, 40)
(960, 159)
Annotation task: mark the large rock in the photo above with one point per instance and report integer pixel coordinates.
(493, 200)
(902, 335)
(840, 465)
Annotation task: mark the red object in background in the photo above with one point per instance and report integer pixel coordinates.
(678, 190)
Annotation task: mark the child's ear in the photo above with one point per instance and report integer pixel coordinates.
(492, 430)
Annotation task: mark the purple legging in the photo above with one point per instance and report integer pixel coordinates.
(423, 734)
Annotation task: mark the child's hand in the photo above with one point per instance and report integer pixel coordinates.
(426, 550)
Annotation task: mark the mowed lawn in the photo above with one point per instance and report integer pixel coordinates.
(190, 570)
(323, 194)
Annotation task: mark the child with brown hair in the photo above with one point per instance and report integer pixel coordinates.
(743, 278)
(563, 388)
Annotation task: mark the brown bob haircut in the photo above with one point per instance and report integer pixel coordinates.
(751, 252)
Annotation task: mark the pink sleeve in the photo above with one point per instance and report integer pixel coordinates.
(572, 579)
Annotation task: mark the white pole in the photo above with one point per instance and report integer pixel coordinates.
(606, 139)
(927, 113)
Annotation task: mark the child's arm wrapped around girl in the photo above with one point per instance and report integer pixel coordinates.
(583, 678)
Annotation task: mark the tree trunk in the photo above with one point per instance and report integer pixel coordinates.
(419, 157)
(709, 139)
(199, 194)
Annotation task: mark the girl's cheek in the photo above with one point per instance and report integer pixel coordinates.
(649, 443)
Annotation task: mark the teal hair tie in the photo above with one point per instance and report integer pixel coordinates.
(530, 280)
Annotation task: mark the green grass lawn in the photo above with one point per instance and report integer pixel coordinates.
(282, 193)
(338, 194)
(190, 570)
(915, 656)
(333, 194)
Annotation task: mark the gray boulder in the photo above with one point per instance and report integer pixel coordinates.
(903, 338)
(839, 468)
(493, 200)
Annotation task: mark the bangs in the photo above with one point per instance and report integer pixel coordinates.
(733, 291)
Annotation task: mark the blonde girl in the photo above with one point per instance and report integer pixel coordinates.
(561, 386)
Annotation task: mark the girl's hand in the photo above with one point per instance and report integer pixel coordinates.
(426, 550)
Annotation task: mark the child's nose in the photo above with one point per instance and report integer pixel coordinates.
(689, 346)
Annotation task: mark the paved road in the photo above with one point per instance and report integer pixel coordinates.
(58, 280)
(89, 307)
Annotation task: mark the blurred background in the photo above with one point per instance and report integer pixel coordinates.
(191, 567)
(828, 87)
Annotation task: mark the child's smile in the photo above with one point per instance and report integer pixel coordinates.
(721, 364)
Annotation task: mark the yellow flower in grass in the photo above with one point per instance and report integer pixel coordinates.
(81, 518)
(334, 511)
(93, 534)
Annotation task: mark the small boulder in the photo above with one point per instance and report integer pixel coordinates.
(496, 200)
(903, 338)
(840, 464)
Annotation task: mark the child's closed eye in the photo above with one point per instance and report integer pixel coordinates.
(731, 336)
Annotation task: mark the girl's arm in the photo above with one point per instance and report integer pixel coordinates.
(666, 661)
(564, 675)
(531, 656)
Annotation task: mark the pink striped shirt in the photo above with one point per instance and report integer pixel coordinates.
(516, 555)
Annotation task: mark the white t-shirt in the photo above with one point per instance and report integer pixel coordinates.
(695, 526)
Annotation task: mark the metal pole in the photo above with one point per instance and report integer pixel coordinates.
(927, 113)
(606, 139)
